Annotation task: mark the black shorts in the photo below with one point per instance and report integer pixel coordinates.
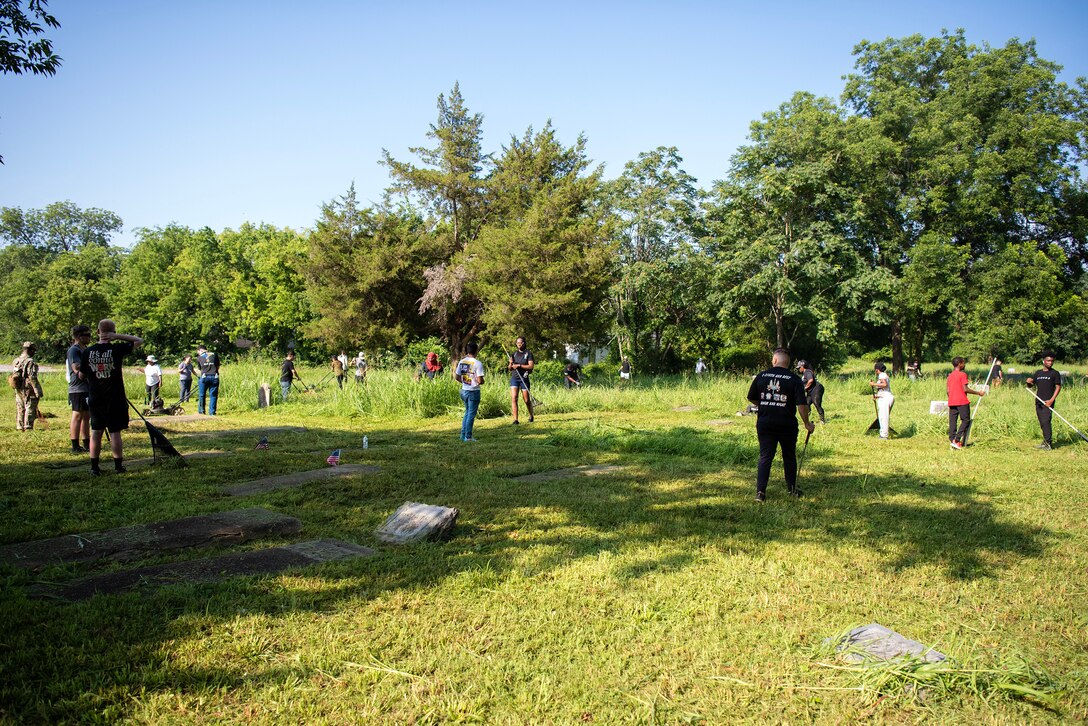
(517, 381)
(109, 415)
(78, 401)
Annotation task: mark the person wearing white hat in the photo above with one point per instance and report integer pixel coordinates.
(152, 379)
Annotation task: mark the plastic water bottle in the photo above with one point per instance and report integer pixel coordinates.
(366, 443)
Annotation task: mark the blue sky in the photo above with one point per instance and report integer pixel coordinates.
(218, 113)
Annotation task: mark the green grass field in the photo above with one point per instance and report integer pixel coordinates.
(659, 594)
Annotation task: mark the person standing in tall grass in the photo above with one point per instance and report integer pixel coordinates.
(958, 405)
(521, 365)
(469, 372)
(780, 396)
(882, 394)
(814, 390)
(1048, 384)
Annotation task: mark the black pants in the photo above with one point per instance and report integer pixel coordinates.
(1045, 415)
(963, 413)
(815, 397)
(770, 438)
(150, 393)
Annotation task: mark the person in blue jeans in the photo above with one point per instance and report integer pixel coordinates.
(469, 372)
(208, 364)
(287, 374)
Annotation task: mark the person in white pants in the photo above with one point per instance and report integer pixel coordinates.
(884, 398)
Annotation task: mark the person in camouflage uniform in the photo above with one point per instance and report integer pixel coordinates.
(28, 391)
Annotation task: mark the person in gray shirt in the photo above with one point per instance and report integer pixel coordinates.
(78, 390)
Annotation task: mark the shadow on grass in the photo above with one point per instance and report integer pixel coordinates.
(683, 490)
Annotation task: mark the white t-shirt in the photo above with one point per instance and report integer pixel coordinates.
(471, 371)
(152, 374)
(883, 392)
(360, 365)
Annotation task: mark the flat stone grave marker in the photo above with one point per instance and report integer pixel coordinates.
(938, 407)
(181, 418)
(686, 409)
(719, 422)
(239, 432)
(586, 470)
(883, 643)
(284, 481)
(210, 569)
(125, 543)
(413, 522)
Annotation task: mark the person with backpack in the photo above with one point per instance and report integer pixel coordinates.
(78, 391)
(28, 391)
(208, 385)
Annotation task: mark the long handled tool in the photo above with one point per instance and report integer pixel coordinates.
(159, 443)
(875, 425)
(1063, 418)
(971, 423)
(804, 450)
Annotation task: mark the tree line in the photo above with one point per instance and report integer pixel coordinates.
(940, 203)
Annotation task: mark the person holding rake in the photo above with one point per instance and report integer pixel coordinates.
(521, 367)
(780, 396)
(958, 405)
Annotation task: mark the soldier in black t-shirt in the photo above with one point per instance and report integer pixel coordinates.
(100, 366)
(1048, 384)
(780, 395)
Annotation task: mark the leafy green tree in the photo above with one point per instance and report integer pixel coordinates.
(23, 274)
(780, 227)
(979, 146)
(364, 275)
(21, 50)
(77, 289)
(661, 299)
(60, 227)
(451, 185)
(542, 264)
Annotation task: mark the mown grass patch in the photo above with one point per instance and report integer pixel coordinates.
(660, 592)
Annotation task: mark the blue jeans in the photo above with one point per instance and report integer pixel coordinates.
(285, 388)
(186, 385)
(472, 404)
(208, 385)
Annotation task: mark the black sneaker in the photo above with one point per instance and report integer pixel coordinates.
(761, 496)
(76, 451)
(120, 470)
(515, 422)
(531, 419)
(796, 493)
(96, 472)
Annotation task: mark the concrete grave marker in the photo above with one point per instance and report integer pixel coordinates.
(285, 481)
(135, 463)
(719, 422)
(686, 409)
(264, 396)
(414, 522)
(938, 407)
(219, 529)
(262, 431)
(883, 643)
(210, 569)
(587, 470)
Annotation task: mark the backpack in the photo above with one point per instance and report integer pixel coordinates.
(17, 378)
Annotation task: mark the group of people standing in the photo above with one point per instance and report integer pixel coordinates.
(96, 387)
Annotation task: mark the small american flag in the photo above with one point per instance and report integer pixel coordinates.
(262, 444)
(334, 458)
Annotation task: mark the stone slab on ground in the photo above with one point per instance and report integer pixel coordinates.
(883, 643)
(210, 569)
(586, 470)
(719, 422)
(124, 543)
(284, 481)
(686, 409)
(414, 522)
(262, 431)
(938, 407)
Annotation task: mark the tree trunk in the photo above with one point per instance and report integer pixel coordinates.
(897, 346)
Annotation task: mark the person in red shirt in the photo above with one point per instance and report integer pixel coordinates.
(958, 405)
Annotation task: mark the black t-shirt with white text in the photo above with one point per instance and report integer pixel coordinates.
(100, 365)
(1046, 383)
(208, 363)
(778, 393)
